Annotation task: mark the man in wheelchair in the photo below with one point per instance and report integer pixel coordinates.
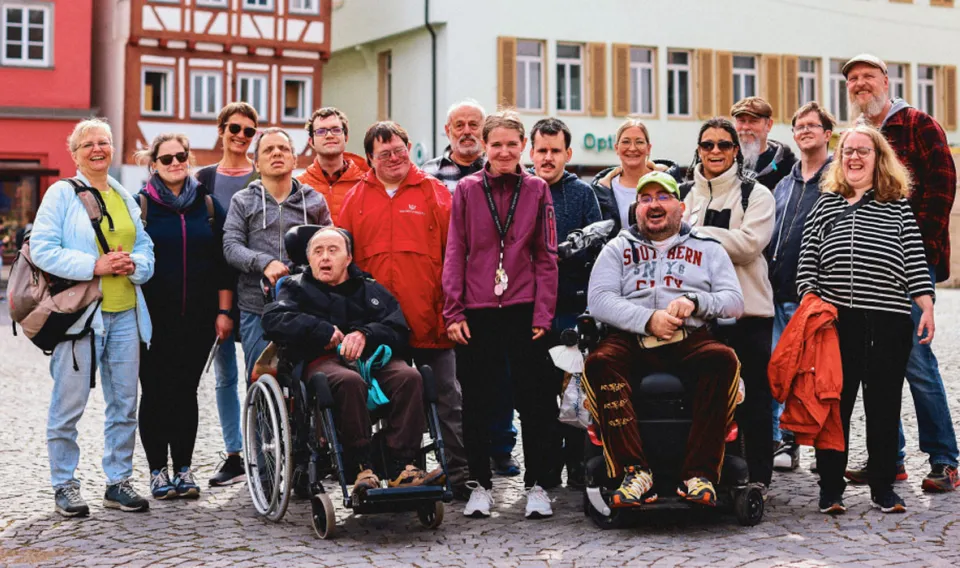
(658, 285)
(333, 316)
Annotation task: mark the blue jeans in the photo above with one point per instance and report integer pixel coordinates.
(252, 341)
(117, 353)
(228, 399)
(781, 316)
(937, 438)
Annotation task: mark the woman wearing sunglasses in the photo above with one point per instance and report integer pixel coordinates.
(725, 205)
(189, 300)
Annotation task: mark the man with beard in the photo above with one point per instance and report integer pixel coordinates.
(635, 273)
(769, 160)
(922, 147)
(333, 171)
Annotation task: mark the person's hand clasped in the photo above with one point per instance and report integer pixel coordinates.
(352, 346)
(681, 307)
(663, 325)
(459, 332)
(275, 270)
(335, 339)
(115, 262)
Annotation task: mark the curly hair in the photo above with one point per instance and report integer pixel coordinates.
(891, 180)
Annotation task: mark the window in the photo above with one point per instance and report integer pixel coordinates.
(26, 35)
(157, 91)
(304, 6)
(252, 89)
(897, 75)
(678, 83)
(216, 3)
(529, 75)
(927, 89)
(806, 80)
(205, 94)
(569, 77)
(258, 4)
(296, 98)
(641, 81)
(744, 77)
(838, 91)
(384, 85)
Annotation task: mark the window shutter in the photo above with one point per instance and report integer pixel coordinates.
(621, 79)
(597, 57)
(770, 88)
(724, 83)
(704, 83)
(945, 3)
(791, 87)
(950, 97)
(507, 71)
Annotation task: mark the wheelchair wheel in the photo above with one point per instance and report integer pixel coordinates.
(268, 451)
(323, 518)
(748, 506)
(431, 515)
(615, 520)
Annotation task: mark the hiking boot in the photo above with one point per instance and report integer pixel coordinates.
(832, 504)
(698, 490)
(889, 502)
(481, 499)
(231, 471)
(413, 476)
(69, 502)
(185, 484)
(538, 503)
(505, 465)
(786, 457)
(860, 476)
(636, 488)
(124, 497)
(942, 478)
(160, 486)
(366, 480)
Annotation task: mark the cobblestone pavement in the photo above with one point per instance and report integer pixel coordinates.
(221, 528)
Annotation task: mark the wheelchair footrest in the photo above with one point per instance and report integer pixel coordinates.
(396, 499)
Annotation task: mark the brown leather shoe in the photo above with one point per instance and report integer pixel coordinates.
(366, 480)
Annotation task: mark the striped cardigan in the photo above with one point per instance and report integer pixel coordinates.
(872, 259)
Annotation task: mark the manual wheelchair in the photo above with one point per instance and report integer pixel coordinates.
(291, 441)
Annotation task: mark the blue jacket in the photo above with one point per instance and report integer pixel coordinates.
(63, 243)
(795, 198)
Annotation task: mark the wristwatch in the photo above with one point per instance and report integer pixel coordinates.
(222, 312)
(696, 302)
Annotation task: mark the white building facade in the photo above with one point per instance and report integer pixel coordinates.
(672, 63)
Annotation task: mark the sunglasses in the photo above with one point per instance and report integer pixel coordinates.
(235, 128)
(167, 159)
(724, 145)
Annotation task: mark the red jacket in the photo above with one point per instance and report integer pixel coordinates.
(806, 374)
(401, 242)
(335, 192)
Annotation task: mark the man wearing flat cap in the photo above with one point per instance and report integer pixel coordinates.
(770, 160)
(922, 147)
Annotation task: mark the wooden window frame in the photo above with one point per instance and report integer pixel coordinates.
(47, 43)
(171, 73)
(264, 91)
(307, 81)
(567, 61)
(691, 79)
(525, 60)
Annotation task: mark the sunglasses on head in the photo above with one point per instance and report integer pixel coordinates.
(167, 159)
(248, 131)
(724, 145)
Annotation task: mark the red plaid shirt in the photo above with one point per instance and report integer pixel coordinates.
(922, 147)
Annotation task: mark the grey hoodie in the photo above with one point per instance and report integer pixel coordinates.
(254, 229)
(630, 280)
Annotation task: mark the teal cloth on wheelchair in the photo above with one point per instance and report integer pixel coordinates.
(378, 360)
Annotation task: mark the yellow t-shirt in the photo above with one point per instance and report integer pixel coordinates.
(119, 294)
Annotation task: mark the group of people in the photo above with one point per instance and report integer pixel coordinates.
(454, 265)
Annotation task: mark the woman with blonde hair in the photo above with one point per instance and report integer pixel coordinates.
(862, 252)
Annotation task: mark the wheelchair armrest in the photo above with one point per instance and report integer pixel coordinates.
(429, 385)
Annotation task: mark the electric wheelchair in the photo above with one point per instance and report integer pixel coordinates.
(291, 440)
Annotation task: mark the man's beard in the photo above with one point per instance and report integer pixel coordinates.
(872, 108)
(670, 228)
(476, 150)
(751, 153)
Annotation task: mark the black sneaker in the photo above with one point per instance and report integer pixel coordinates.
(231, 471)
(889, 502)
(505, 465)
(861, 476)
(124, 497)
(69, 502)
(832, 504)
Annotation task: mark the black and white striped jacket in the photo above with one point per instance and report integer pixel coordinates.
(872, 259)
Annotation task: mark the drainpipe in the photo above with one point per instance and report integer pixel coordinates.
(433, 77)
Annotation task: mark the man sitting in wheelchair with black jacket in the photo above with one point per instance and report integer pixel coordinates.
(334, 316)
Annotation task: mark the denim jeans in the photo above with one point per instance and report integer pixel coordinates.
(117, 353)
(937, 438)
(228, 399)
(781, 316)
(251, 339)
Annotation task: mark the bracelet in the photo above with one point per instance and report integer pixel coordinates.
(223, 312)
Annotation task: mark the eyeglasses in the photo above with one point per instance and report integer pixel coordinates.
(661, 197)
(248, 131)
(862, 151)
(387, 154)
(806, 127)
(724, 145)
(321, 132)
(90, 145)
(167, 159)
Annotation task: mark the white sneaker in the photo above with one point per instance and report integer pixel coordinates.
(538, 503)
(481, 499)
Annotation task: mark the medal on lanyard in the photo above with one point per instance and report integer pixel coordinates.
(500, 278)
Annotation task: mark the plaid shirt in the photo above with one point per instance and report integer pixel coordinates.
(922, 147)
(448, 171)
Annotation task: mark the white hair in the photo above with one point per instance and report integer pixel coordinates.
(84, 126)
(469, 103)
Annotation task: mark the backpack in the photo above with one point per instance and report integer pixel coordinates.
(746, 188)
(46, 306)
(144, 201)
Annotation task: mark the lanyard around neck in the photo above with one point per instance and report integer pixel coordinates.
(503, 227)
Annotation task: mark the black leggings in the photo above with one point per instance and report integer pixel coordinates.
(169, 377)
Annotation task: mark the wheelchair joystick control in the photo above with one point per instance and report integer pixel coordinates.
(569, 337)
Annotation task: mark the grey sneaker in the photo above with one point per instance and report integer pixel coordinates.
(69, 502)
(124, 497)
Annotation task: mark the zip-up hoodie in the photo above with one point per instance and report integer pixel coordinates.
(253, 233)
(794, 199)
(779, 166)
(713, 208)
(335, 192)
(631, 280)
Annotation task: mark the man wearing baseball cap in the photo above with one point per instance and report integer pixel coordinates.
(770, 160)
(922, 146)
(657, 284)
